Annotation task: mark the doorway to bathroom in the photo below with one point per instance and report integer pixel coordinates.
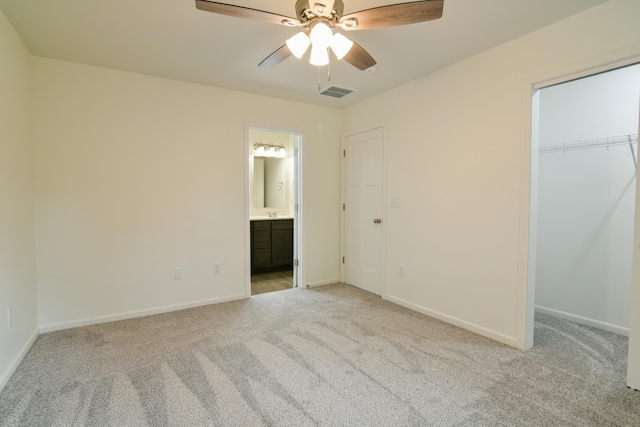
(274, 209)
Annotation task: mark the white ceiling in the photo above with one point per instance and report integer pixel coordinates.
(172, 39)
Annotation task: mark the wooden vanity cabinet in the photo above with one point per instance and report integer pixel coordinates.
(271, 245)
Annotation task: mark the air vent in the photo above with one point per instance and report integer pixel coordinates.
(337, 92)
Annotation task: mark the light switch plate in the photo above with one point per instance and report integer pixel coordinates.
(395, 202)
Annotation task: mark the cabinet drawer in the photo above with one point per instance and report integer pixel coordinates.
(261, 225)
(261, 258)
(283, 224)
(261, 239)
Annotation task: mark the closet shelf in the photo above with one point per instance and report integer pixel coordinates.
(591, 143)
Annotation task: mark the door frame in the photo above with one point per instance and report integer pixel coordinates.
(385, 208)
(298, 270)
(529, 181)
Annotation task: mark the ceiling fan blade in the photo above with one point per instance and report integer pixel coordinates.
(359, 58)
(245, 12)
(393, 15)
(276, 57)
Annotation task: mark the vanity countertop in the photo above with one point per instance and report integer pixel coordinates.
(266, 218)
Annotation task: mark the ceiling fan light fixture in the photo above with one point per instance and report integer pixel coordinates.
(321, 35)
(319, 56)
(298, 44)
(340, 45)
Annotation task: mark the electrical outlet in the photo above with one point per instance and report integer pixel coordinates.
(217, 269)
(9, 317)
(401, 270)
(177, 273)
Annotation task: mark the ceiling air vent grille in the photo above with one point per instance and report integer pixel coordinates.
(336, 92)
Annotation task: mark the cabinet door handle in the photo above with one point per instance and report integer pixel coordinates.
(377, 221)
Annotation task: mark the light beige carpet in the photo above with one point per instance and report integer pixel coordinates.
(332, 356)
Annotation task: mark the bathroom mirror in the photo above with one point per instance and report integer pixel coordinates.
(270, 183)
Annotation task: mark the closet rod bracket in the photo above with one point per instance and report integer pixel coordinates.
(633, 153)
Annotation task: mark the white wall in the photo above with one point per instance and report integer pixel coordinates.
(17, 244)
(137, 175)
(454, 141)
(586, 200)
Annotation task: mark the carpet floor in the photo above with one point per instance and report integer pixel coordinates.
(332, 355)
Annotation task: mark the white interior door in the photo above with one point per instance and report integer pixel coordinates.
(363, 210)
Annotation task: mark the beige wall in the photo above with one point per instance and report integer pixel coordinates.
(454, 142)
(138, 175)
(17, 244)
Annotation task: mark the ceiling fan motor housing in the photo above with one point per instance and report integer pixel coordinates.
(307, 10)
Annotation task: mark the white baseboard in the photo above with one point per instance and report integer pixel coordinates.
(616, 329)
(139, 313)
(324, 282)
(14, 365)
(480, 330)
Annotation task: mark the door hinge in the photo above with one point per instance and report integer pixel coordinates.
(344, 153)
(296, 262)
(344, 206)
(296, 208)
(296, 152)
(343, 260)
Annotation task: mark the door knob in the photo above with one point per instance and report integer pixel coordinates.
(377, 221)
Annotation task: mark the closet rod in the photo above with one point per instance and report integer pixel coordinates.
(592, 143)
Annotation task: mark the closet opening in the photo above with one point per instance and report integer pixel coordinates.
(584, 160)
(587, 162)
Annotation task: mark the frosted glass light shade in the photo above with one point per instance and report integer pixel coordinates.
(298, 44)
(321, 35)
(340, 45)
(319, 56)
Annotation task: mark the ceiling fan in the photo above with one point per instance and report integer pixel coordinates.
(319, 18)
